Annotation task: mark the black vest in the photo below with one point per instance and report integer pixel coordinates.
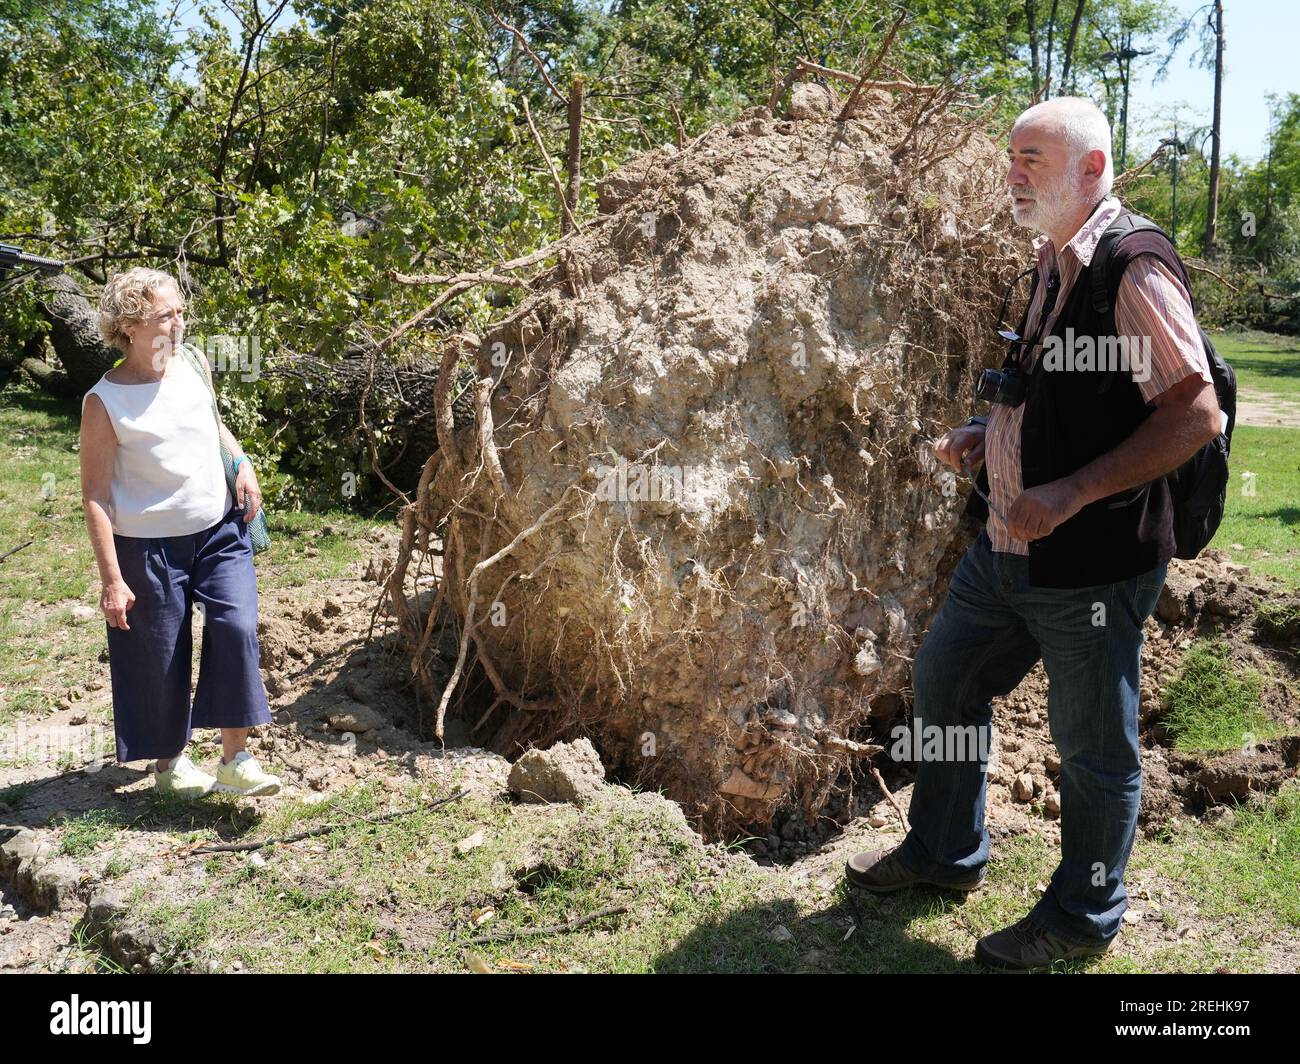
(1074, 415)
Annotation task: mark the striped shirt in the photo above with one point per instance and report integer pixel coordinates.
(1151, 302)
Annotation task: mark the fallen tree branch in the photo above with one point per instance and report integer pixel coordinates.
(1205, 269)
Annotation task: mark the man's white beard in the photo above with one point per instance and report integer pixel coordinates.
(1053, 204)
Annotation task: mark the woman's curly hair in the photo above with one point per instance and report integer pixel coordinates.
(128, 298)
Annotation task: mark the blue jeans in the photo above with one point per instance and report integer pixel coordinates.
(993, 627)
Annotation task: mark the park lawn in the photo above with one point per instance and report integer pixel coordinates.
(1265, 363)
(1261, 521)
(1261, 525)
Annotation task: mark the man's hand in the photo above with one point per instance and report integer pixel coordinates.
(1037, 511)
(247, 491)
(967, 440)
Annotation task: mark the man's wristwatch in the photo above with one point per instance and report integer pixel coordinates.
(981, 419)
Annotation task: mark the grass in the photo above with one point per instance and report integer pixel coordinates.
(1263, 504)
(1261, 521)
(1265, 363)
(1279, 620)
(1251, 865)
(81, 834)
(1214, 704)
(400, 896)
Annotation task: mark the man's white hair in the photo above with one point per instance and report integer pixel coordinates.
(1085, 128)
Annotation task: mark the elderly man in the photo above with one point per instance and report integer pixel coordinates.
(1074, 552)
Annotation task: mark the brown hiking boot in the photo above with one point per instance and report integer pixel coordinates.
(1026, 946)
(882, 871)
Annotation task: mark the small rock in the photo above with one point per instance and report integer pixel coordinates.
(359, 719)
(567, 772)
(1171, 605)
(471, 842)
(1022, 789)
(780, 933)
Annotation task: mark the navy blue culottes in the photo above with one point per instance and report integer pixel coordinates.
(150, 663)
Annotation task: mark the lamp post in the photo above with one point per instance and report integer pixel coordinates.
(1124, 57)
(1178, 147)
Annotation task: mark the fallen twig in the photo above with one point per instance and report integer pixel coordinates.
(554, 929)
(880, 782)
(1205, 269)
(16, 549)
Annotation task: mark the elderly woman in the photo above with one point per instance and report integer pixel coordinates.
(167, 534)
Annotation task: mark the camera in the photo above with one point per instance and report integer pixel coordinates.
(1006, 386)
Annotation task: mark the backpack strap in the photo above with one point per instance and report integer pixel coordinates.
(1103, 278)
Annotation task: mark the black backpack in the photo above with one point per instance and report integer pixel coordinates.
(1199, 487)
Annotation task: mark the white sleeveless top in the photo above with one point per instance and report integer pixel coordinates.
(168, 478)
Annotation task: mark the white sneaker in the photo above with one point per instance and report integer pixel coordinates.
(183, 780)
(244, 775)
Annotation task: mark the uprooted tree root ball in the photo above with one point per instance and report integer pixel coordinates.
(698, 517)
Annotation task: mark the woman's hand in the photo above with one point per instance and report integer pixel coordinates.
(115, 600)
(248, 493)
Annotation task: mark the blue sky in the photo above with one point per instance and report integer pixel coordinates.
(1260, 57)
(1261, 39)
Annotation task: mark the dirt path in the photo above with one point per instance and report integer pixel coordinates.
(1269, 411)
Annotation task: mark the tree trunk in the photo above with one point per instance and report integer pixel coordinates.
(575, 152)
(74, 334)
(1032, 29)
(1051, 34)
(1212, 205)
(1070, 42)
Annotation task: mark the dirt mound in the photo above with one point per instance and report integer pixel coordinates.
(699, 519)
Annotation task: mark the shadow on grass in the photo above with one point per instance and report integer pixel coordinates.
(882, 940)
